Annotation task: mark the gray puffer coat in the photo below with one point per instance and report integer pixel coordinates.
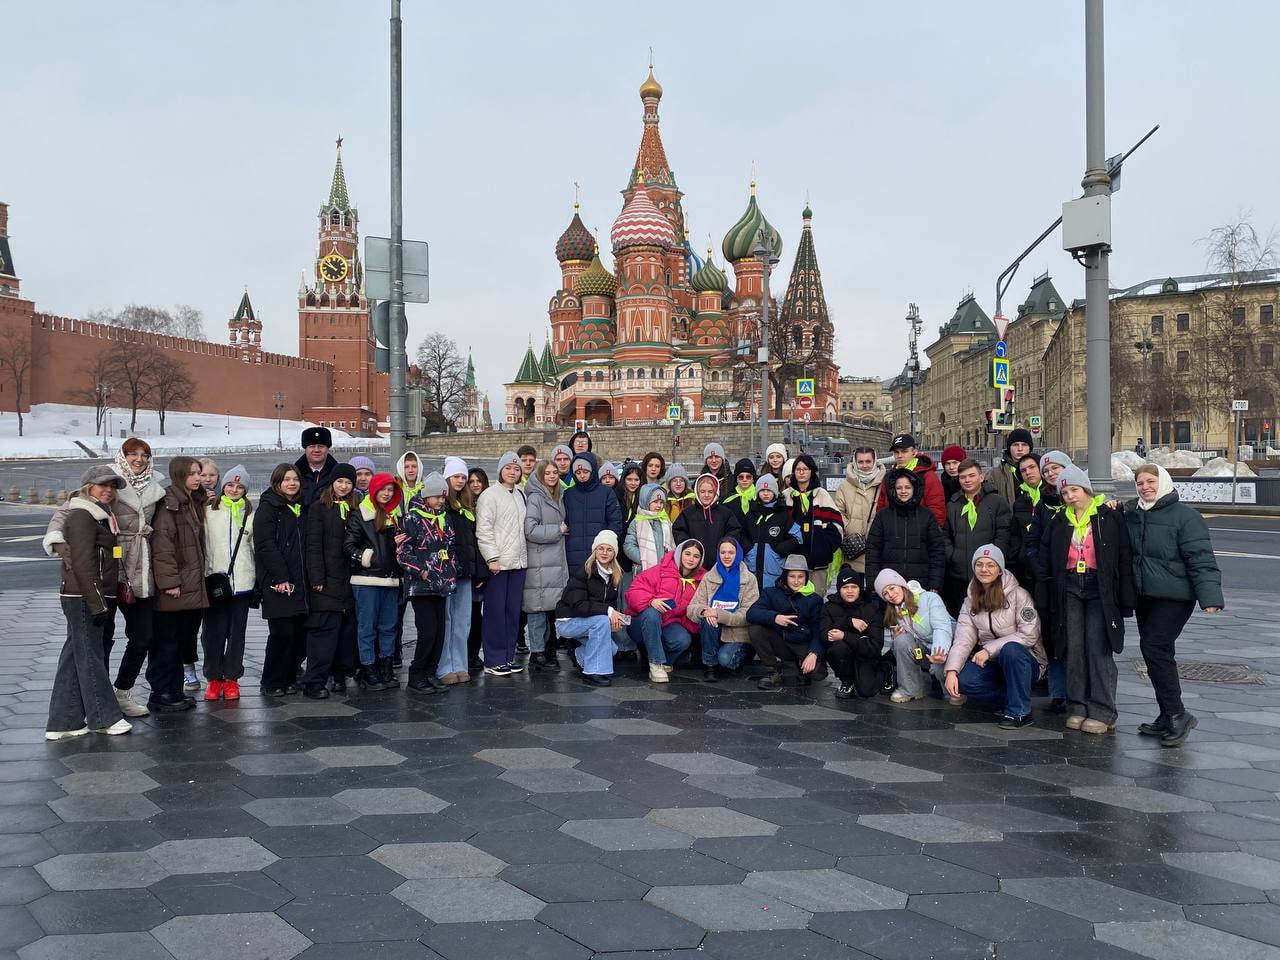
(547, 571)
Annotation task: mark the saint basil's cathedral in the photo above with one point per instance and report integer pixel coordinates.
(619, 340)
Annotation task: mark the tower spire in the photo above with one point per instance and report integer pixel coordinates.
(338, 188)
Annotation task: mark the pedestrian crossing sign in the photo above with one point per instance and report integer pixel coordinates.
(804, 387)
(673, 412)
(999, 373)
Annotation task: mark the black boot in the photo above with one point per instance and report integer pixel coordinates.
(537, 661)
(1156, 728)
(389, 677)
(338, 684)
(371, 677)
(1180, 724)
(709, 675)
(770, 681)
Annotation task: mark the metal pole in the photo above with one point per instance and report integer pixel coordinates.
(1097, 182)
(396, 390)
(1235, 458)
(764, 356)
(675, 431)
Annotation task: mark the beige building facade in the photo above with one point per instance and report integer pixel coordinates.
(865, 400)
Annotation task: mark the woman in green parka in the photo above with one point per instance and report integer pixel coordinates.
(1173, 568)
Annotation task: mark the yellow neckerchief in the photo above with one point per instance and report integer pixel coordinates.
(970, 510)
(744, 496)
(407, 491)
(806, 590)
(1081, 524)
(438, 518)
(467, 513)
(236, 507)
(804, 498)
(295, 508)
(911, 464)
(343, 509)
(1032, 492)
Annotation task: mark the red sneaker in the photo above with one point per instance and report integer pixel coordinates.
(231, 690)
(214, 690)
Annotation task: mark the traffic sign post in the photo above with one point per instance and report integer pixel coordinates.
(999, 373)
(806, 403)
(674, 412)
(804, 387)
(1237, 407)
(1002, 349)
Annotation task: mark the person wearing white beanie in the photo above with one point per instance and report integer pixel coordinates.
(500, 513)
(589, 609)
(453, 466)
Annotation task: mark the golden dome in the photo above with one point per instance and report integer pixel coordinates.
(651, 87)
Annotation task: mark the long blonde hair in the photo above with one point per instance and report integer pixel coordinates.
(615, 569)
(539, 469)
(988, 597)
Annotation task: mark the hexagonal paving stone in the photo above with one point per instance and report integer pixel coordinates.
(616, 925)
(98, 911)
(1141, 799)
(701, 763)
(275, 764)
(372, 801)
(296, 811)
(825, 891)
(318, 708)
(100, 871)
(743, 787)
(807, 711)
(468, 900)
(556, 780)
(119, 806)
(96, 946)
(220, 855)
(821, 750)
(435, 861)
(416, 730)
(634, 727)
(728, 907)
(322, 876)
(359, 756)
(711, 822)
(238, 936)
(220, 893)
(930, 828)
(882, 771)
(574, 882)
(527, 758)
(626, 834)
(566, 732)
(85, 762)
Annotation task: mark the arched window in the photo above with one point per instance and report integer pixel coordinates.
(631, 374)
(640, 374)
(817, 339)
(797, 337)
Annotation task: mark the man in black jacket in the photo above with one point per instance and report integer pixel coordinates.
(976, 516)
(316, 465)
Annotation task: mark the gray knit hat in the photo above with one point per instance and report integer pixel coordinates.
(506, 458)
(711, 448)
(237, 474)
(767, 481)
(1073, 476)
(991, 552)
(1055, 456)
(433, 485)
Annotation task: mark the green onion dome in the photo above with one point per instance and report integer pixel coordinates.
(709, 279)
(576, 243)
(740, 241)
(595, 281)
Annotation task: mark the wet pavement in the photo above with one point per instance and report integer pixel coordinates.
(535, 817)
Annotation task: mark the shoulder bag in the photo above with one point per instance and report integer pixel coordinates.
(218, 585)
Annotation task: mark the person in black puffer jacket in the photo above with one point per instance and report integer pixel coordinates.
(900, 539)
(706, 520)
(373, 532)
(461, 504)
(331, 624)
(786, 624)
(590, 609)
(279, 549)
(589, 507)
(853, 629)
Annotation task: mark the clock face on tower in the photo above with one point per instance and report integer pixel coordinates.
(334, 267)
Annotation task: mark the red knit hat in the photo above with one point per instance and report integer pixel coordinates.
(954, 452)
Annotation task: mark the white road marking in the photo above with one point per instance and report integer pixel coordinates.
(1241, 530)
(1246, 556)
(26, 559)
(38, 536)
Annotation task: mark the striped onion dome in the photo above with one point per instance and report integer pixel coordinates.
(595, 281)
(740, 241)
(641, 224)
(576, 243)
(709, 278)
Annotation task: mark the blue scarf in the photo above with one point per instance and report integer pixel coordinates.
(730, 578)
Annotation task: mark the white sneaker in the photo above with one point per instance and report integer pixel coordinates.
(667, 667)
(901, 696)
(65, 734)
(189, 679)
(120, 726)
(657, 674)
(130, 707)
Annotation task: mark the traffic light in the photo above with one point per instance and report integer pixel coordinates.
(991, 421)
(1008, 397)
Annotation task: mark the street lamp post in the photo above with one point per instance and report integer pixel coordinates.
(1097, 183)
(913, 370)
(103, 393)
(279, 401)
(767, 255)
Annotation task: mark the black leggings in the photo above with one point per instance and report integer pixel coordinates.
(139, 627)
(428, 617)
(1159, 624)
(863, 673)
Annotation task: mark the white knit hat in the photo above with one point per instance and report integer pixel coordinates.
(454, 467)
(775, 448)
(606, 537)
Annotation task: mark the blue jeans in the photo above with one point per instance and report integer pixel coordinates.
(1058, 679)
(377, 609)
(661, 644)
(1008, 674)
(457, 627)
(595, 653)
(730, 656)
(539, 626)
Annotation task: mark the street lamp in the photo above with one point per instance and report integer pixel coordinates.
(279, 399)
(764, 252)
(913, 365)
(102, 392)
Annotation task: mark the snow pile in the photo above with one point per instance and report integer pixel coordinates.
(1175, 459)
(1122, 464)
(1221, 467)
(51, 430)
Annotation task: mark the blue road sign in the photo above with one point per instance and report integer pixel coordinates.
(1002, 350)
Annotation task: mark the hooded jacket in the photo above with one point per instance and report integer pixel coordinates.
(1172, 552)
(1016, 622)
(1005, 473)
(733, 623)
(427, 556)
(906, 538)
(407, 490)
(837, 614)
(177, 552)
(547, 569)
(856, 501)
(326, 557)
(314, 481)
(805, 605)
(221, 530)
(769, 536)
(500, 527)
(1114, 575)
(677, 504)
(279, 549)
(589, 508)
(931, 498)
(992, 523)
(931, 624)
(90, 570)
(663, 582)
(708, 525)
(365, 540)
(821, 526)
(648, 535)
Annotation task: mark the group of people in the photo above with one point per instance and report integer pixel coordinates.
(982, 582)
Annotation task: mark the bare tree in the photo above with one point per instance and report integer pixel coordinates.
(16, 360)
(130, 367)
(98, 387)
(442, 372)
(172, 387)
(182, 321)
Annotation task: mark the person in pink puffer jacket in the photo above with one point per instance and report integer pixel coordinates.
(997, 650)
(658, 603)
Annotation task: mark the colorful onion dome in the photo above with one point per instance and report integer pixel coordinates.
(740, 241)
(595, 281)
(576, 243)
(641, 224)
(651, 87)
(709, 278)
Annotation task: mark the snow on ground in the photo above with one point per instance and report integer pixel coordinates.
(1175, 458)
(51, 429)
(1122, 464)
(1221, 467)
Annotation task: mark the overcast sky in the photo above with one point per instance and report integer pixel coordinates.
(162, 152)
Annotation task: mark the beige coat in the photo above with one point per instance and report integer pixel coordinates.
(733, 623)
(857, 505)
